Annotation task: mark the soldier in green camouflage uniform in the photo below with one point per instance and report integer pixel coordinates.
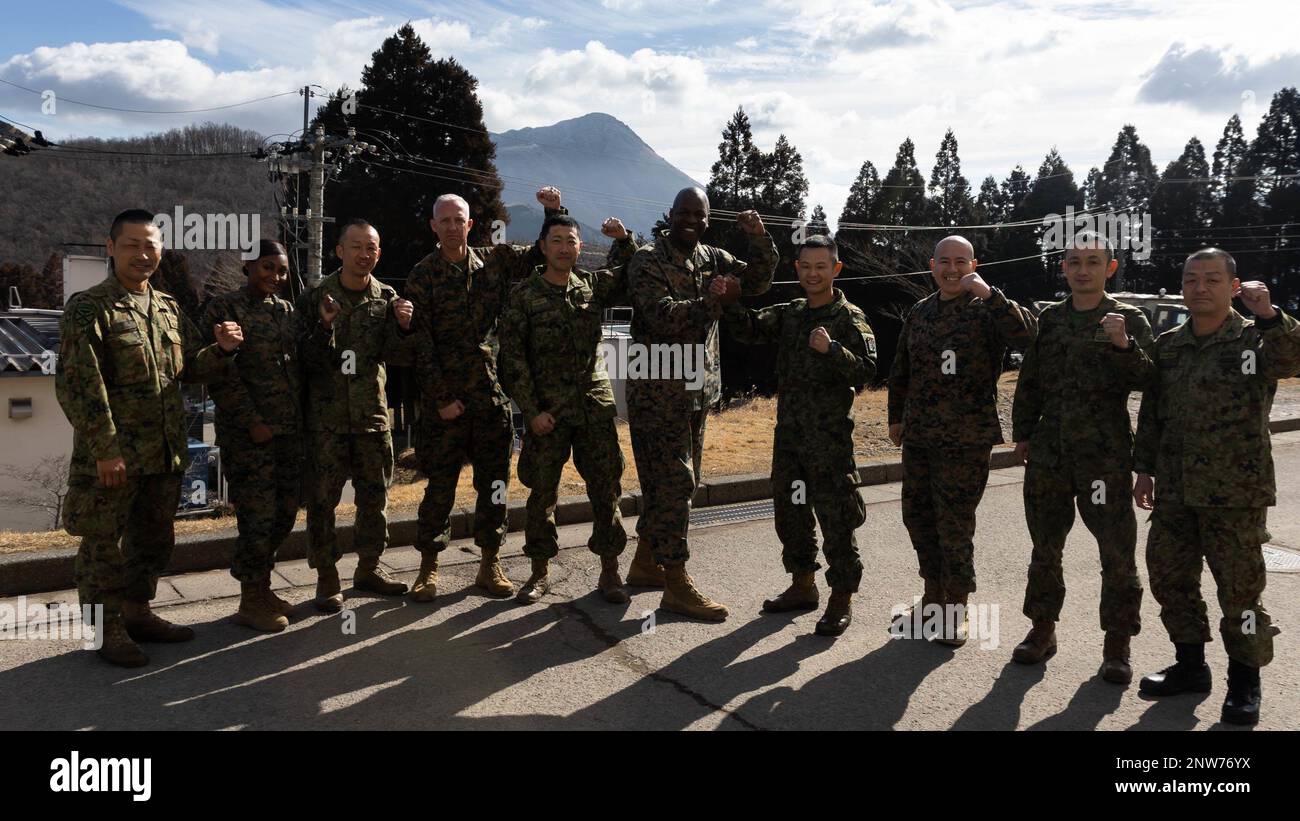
(459, 293)
(825, 350)
(1203, 451)
(259, 430)
(124, 348)
(353, 327)
(943, 410)
(668, 286)
(1071, 418)
(552, 367)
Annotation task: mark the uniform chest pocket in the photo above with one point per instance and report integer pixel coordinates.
(130, 361)
(175, 351)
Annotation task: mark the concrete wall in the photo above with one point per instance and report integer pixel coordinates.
(25, 442)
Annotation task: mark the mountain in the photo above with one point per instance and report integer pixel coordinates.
(600, 165)
(526, 224)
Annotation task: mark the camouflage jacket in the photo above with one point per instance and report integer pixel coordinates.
(119, 374)
(944, 383)
(1203, 427)
(346, 366)
(1072, 391)
(669, 292)
(550, 338)
(457, 306)
(815, 391)
(267, 388)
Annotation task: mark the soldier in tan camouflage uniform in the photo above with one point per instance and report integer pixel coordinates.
(552, 367)
(353, 327)
(459, 293)
(124, 348)
(259, 429)
(1205, 465)
(669, 288)
(943, 411)
(825, 351)
(1071, 420)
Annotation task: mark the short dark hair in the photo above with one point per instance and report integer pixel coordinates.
(266, 248)
(1084, 239)
(819, 241)
(355, 222)
(131, 216)
(558, 219)
(1214, 253)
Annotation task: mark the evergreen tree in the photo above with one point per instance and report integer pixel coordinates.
(988, 203)
(1275, 153)
(1235, 202)
(731, 180)
(1181, 213)
(784, 184)
(950, 200)
(1128, 179)
(862, 195)
(817, 221)
(1051, 192)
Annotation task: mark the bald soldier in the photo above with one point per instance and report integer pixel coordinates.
(943, 411)
(675, 313)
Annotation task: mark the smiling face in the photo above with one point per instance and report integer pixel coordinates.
(817, 270)
(953, 259)
(358, 249)
(1208, 287)
(267, 274)
(135, 252)
(561, 247)
(1087, 269)
(689, 218)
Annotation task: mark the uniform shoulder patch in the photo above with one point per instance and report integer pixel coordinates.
(83, 311)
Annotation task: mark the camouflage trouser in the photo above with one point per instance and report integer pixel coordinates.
(265, 488)
(1051, 494)
(1230, 539)
(127, 536)
(667, 453)
(599, 462)
(829, 487)
(941, 490)
(333, 458)
(484, 438)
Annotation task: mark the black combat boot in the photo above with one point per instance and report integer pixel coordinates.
(1242, 704)
(1189, 675)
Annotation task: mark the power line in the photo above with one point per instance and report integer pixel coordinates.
(150, 111)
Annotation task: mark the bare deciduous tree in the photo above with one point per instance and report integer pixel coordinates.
(50, 479)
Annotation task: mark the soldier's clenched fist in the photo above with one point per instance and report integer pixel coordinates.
(819, 340)
(973, 283)
(750, 223)
(1116, 328)
(329, 310)
(228, 335)
(613, 228)
(542, 424)
(403, 309)
(726, 289)
(549, 197)
(1254, 295)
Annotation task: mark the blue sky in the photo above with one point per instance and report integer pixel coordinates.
(846, 80)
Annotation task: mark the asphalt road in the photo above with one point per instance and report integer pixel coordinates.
(576, 662)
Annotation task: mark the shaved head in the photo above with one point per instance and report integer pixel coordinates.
(957, 238)
(693, 196)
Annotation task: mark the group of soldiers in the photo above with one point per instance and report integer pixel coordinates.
(301, 408)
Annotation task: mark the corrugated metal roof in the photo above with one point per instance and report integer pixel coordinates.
(25, 335)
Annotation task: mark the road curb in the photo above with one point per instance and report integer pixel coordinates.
(44, 570)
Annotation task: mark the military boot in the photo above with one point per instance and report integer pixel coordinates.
(370, 576)
(142, 624)
(425, 586)
(838, 615)
(681, 597)
(933, 594)
(491, 577)
(960, 631)
(1114, 659)
(116, 645)
(1039, 645)
(800, 595)
(1242, 704)
(643, 571)
(610, 584)
(277, 604)
(1189, 674)
(536, 586)
(256, 611)
(329, 593)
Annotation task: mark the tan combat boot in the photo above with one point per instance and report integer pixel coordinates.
(256, 611)
(644, 572)
(425, 586)
(491, 577)
(933, 594)
(116, 645)
(329, 594)
(800, 595)
(681, 597)
(961, 628)
(142, 624)
(370, 576)
(838, 615)
(277, 604)
(536, 586)
(1114, 666)
(1039, 645)
(610, 584)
